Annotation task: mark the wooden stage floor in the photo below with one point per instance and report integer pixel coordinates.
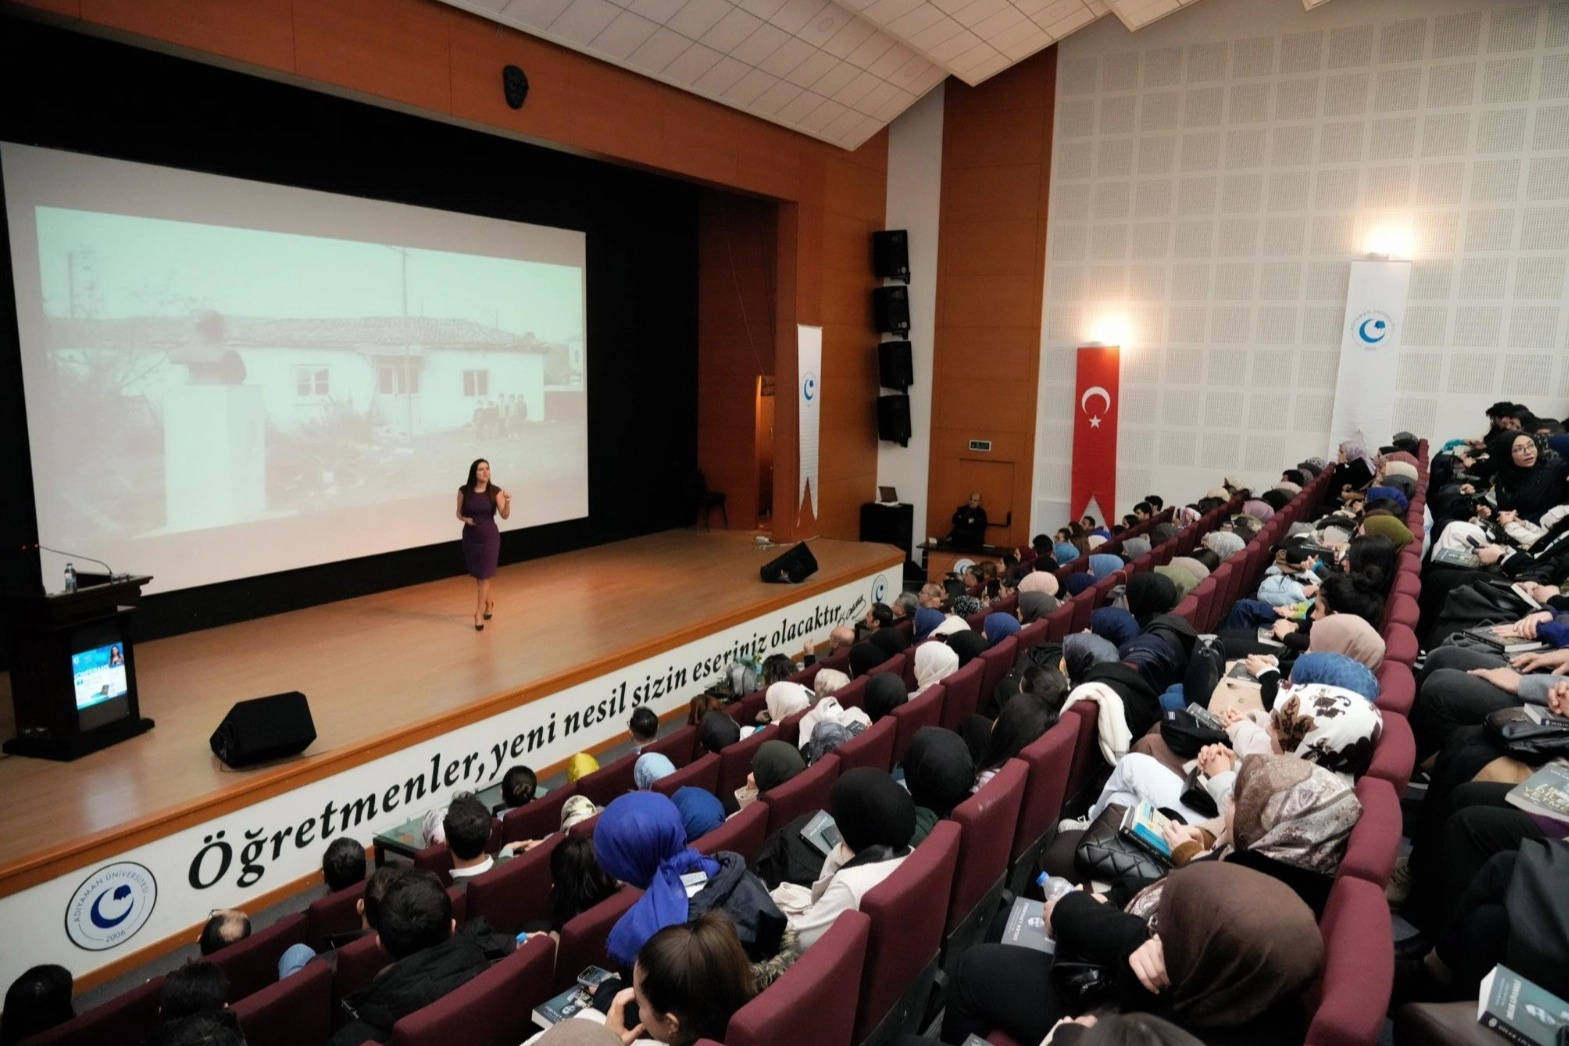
(381, 672)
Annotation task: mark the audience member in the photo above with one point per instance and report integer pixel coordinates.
(196, 987)
(643, 727)
(650, 767)
(518, 787)
(577, 882)
(467, 824)
(688, 982)
(203, 1029)
(223, 928)
(36, 1001)
(343, 864)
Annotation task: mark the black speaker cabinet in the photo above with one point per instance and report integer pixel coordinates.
(891, 309)
(263, 729)
(798, 564)
(891, 254)
(893, 419)
(895, 369)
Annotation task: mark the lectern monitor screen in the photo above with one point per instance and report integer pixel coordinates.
(99, 675)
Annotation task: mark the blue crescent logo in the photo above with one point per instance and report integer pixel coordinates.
(120, 893)
(1380, 328)
(809, 386)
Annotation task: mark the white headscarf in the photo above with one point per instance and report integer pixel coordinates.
(1224, 543)
(950, 624)
(934, 662)
(829, 680)
(785, 699)
(829, 710)
(1039, 581)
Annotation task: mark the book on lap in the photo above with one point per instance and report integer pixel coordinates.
(1520, 1011)
(1026, 926)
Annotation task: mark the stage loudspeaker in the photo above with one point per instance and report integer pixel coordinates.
(891, 309)
(514, 84)
(895, 369)
(891, 254)
(893, 419)
(263, 729)
(798, 564)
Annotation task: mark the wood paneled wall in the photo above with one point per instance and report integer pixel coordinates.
(991, 265)
(436, 58)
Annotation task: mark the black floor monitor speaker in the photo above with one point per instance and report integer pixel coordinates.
(891, 254)
(895, 368)
(893, 419)
(798, 564)
(263, 729)
(891, 309)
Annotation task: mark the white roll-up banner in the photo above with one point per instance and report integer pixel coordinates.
(1370, 353)
(809, 357)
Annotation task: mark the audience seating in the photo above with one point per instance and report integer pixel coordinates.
(907, 931)
(804, 793)
(1394, 755)
(516, 891)
(986, 822)
(1359, 966)
(1049, 760)
(583, 937)
(436, 858)
(359, 962)
(678, 746)
(998, 660)
(744, 833)
(924, 710)
(789, 728)
(493, 1009)
(699, 773)
(1375, 841)
(735, 762)
(537, 819)
(809, 1004)
(1396, 689)
(335, 913)
(609, 781)
(962, 693)
(252, 964)
(128, 1017)
(872, 747)
(296, 1011)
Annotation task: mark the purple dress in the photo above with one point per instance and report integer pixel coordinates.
(481, 541)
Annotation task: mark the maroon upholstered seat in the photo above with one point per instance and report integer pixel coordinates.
(252, 964)
(742, 833)
(699, 773)
(872, 747)
(1396, 688)
(802, 794)
(735, 762)
(583, 937)
(1033, 634)
(1403, 611)
(516, 891)
(1400, 644)
(986, 822)
(128, 1017)
(1394, 754)
(359, 962)
(537, 819)
(1049, 759)
(609, 781)
(494, 1009)
(1375, 841)
(1359, 966)
(1086, 747)
(436, 858)
(907, 932)
(335, 913)
(998, 660)
(678, 745)
(962, 693)
(924, 710)
(809, 1003)
(296, 1011)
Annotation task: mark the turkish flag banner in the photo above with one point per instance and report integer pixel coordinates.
(1096, 400)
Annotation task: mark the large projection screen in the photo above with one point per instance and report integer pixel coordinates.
(226, 378)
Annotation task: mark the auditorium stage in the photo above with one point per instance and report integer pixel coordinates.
(387, 671)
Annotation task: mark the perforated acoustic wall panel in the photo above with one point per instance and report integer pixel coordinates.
(1214, 176)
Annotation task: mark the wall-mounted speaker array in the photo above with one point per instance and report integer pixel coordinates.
(891, 312)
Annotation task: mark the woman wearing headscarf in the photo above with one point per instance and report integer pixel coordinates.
(829, 710)
(775, 763)
(1043, 581)
(966, 606)
(1390, 494)
(784, 699)
(926, 619)
(1021, 722)
(1083, 650)
(1063, 551)
(1354, 470)
(1078, 583)
(1154, 660)
(1226, 957)
(1184, 580)
(1135, 547)
(828, 681)
(1388, 527)
(576, 810)
(1528, 479)
(999, 627)
(1259, 510)
(579, 766)
(876, 820)
(1349, 636)
(934, 662)
(1194, 566)
(650, 767)
(1113, 624)
(939, 771)
(884, 692)
(1151, 594)
(1034, 606)
(700, 811)
(717, 731)
(864, 657)
(890, 641)
(968, 645)
(1223, 543)
(1104, 564)
(1333, 727)
(640, 840)
(949, 625)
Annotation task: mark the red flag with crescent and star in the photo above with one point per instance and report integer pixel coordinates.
(1097, 391)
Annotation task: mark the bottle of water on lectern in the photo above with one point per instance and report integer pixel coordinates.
(70, 577)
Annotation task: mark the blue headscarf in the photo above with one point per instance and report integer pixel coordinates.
(650, 767)
(700, 811)
(1115, 624)
(1104, 563)
(1335, 670)
(927, 619)
(1154, 660)
(1082, 651)
(1077, 583)
(1064, 553)
(641, 840)
(999, 627)
(1394, 494)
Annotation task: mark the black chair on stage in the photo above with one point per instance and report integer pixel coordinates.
(707, 500)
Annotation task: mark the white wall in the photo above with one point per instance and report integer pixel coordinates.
(914, 202)
(1213, 176)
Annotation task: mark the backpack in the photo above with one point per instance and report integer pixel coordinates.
(1206, 664)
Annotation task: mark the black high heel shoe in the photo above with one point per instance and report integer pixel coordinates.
(488, 604)
(479, 626)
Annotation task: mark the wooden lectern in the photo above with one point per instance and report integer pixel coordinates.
(73, 673)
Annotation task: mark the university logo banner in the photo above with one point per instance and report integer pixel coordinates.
(1096, 403)
(809, 393)
(1370, 353)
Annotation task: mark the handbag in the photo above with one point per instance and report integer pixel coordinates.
(1206, 665)
(1530, 735)
(1196, 797)
(1185, 735)
(1081, 986)
(1104, 854)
